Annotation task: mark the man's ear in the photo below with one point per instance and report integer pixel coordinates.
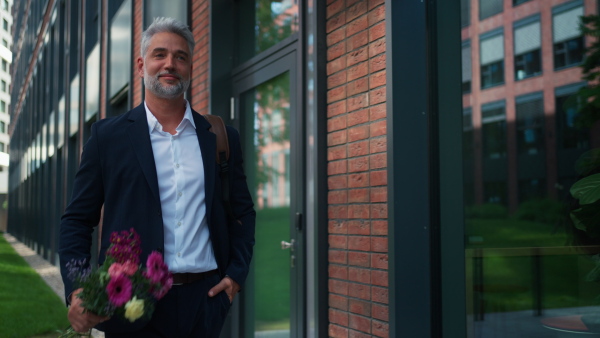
(140, 66)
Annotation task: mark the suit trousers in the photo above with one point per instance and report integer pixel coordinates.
(186, 311)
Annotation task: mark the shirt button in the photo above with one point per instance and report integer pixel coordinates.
(179, 194)
(178, 224)
(179, 254)
(177, 165)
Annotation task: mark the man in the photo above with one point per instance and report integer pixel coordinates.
(154, 169)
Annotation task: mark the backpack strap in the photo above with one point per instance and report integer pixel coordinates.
(218, 128)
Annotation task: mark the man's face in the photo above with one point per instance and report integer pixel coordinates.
(166, 67)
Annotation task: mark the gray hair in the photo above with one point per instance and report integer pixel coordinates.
(166, 25)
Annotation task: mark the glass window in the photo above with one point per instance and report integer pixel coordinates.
(4, 65)
(5, 5)
(2, 127)
(2, 147)
(567, 38)
(492, 58)
(3, 86)
(263, 24)
(532, 248)
(92, 80)
(488, 8)
(2, 106)
(5, 25)
(74, 106)
(120, 50)
(465, 9)
(527, 35)
(466, 67)
(176, 9)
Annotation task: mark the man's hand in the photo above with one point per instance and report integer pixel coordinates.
(228, 285)
(80, 321)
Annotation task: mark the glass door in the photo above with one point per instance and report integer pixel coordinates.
(271, 134)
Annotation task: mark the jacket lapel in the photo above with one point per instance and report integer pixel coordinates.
(208, 146)
(140, 141)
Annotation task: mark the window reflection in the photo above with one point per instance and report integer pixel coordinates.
(531, 250)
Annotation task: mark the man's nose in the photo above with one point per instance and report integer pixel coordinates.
(169, 62)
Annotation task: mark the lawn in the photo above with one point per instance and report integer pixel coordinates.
(28, 306)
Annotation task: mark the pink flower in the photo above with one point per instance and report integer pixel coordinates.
(127, 268)
(156, 269)
(166, 284)
(119, 290)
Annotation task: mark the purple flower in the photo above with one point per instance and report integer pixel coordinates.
(119, 290)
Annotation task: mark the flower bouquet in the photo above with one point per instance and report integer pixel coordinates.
(120, 286)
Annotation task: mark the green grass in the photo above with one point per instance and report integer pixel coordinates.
(28, 306)
(272, 270)
(508, 280)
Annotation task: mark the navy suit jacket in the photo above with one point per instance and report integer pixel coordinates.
(117, 173)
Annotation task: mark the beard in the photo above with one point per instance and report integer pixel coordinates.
(165, 91)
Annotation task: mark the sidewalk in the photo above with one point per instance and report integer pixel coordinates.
(49, 273)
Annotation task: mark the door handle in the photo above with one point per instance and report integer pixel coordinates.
(287, 245)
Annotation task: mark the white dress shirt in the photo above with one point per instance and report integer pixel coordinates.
(180, 172)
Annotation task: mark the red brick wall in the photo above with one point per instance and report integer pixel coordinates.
(138, 21)
(357, 175)
(200, 81)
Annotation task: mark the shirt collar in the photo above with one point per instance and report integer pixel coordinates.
(154, 124)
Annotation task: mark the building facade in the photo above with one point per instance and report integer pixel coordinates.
(6, 60)
(411, 162)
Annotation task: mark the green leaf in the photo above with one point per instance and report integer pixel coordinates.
(587, 190)
(588, 162)
(587, 218)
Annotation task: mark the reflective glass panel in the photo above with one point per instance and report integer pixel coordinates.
(266, 111)
(531, 143)
(264, 23)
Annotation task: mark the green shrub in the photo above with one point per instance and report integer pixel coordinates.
(542, 210)
(486, 211)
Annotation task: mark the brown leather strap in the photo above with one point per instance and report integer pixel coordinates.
(218, 128)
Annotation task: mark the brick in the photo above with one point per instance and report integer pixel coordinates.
(359, 307)
(357, 56)
(379, 227)
(357, 334)
(337, 36)
(379, 311)
(358, 291)
(358, 117)
(359, 211)
(356, 11)
(337, 211)
(336, 331)
(337, 227)
(337, 182)
(378, 178)
(379, 278)
(337, 79)
(359, 259)
(358, 40)
(357, 71)
(378, 195)
(338, 287)
(358, 102)
(377, 80)
(335, 22)
(336, 108)
(358, 25)
(335, 8)
(337, 167)
(377, 47)
(357, 165)
(378, 161)
(338, 64)
(337, 138)
(377, 31)
(377, 112)
(378, 145)
(358, 196)
(358, 86)
(336, 51)
(379, 210)
(358, 133)
(338, 271)
(337, 197)
(378, 95)
(379, 244)
(376, 63)
(340, 302)
(378, 128)
(359, 180)
(379, 294)
(337, 256)
(336, 94)
(359, 227)
(359, 323)
(336, 123)
(376, 15)
(337, 153)
(379, 261)
(338, 317)
(360, 148)
(380, 329)
(338, 242)
(359, 243)
(359, 275)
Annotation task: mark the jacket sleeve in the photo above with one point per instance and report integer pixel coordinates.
(241, 230)
(83, 212)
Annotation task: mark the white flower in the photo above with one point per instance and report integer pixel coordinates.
(134, 309)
